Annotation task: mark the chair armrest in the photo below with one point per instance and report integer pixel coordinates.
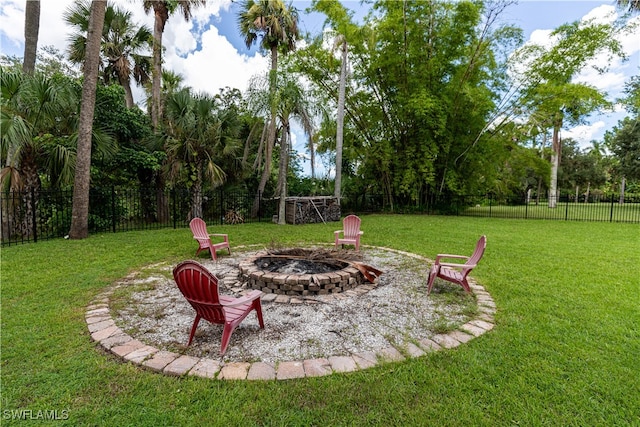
(440, 256)
(360, 233)
(338, 231)
(454, 265)
(221, 235)
(245, 299)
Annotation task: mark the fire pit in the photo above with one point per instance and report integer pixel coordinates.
(303, 272)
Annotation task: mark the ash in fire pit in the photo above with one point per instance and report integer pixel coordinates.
(302, 272)
(298, 266)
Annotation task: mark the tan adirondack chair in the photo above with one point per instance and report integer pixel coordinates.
(350, 232)
(456, 272)
(200, 287)
(199, 230)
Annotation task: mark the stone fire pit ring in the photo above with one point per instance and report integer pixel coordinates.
(255, 272)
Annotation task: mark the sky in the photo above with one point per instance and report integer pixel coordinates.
(210, 54)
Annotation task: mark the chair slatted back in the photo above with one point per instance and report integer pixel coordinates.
(199, 229)
(351, 226)
(200, 288)
(479, 251)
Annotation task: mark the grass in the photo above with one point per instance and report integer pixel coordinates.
(564, 350)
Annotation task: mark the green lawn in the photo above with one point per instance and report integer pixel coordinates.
(565, 349)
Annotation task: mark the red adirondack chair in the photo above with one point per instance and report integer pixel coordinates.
(456, 272)
(200, 287)
(350, 233)
(199, 230)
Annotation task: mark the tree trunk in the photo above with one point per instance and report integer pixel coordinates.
(128, 94)
(196, 196)
(586, 197)
(80, 209)
(555, 163)
(340, 122)
(623, 184)
(272, 130)
(31, 191)
(282, 173)
(160, 18)
(31, 30)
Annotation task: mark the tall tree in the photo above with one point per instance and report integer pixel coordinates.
(80, 210)
(36, 121)
(550, 89)
(31, 31)
(292, 102)
(276, 25)
(624, 142)
(339, 18)
(198, 135)
(162, 9)
(123, 45)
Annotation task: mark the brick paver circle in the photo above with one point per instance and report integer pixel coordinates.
(104, 330)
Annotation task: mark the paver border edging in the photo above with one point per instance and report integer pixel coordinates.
(105, 332)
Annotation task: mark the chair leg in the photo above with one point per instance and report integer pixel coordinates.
(226, 337)
(214, 255)
(257, 305)
(193, 329)
(465, 285)
(433, 273)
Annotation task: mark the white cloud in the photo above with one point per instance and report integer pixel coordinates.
(12, 22)
(542, 38)
(584, 134)
(603, 14)
(216, 65)
(53, 30)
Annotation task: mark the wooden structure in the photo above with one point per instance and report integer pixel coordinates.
(309, 210)
(456, 272)
(200, 287)
(199, 230)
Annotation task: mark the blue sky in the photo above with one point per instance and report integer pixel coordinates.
(210, 54)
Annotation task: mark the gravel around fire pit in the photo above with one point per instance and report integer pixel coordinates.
(396, 311)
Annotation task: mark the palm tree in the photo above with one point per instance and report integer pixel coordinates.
(162, 9)
(80, 209)
(276, 25)
(31, 30)
(340, 118)
(122, 45)
(339, 18)
(197, 135)
(292, 102)
(37, 115)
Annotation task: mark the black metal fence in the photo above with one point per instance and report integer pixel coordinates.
(566, 207)
(29, 217)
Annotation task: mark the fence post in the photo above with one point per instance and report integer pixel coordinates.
(33, 215)
(259, 206)
(113, 208)
(611, 210)
(566, 208)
